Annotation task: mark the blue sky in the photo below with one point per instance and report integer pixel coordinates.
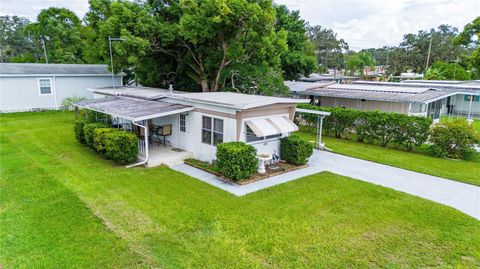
(363, 24)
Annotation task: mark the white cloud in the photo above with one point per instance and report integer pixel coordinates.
(31, 8)
(361, 23)
(376, 23)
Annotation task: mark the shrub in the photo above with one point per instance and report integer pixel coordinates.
(121, 146)
(374, 127)
(295, 150)
(99, 138)
(453, 139)
(78, 129)
(236, 160)
(88, 132)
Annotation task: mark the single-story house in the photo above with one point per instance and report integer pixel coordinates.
(33, 86)
(418, 99)
(195, 122)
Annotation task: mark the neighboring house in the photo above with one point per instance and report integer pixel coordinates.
(196, 122)
(334, 76)
(32, 87)
(418, 99)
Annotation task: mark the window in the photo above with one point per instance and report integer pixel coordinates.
(468, 98)
(183, 121)
(251, 137)
(212, 130)
(45, 86)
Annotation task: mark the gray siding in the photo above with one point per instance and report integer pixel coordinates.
(22, 93)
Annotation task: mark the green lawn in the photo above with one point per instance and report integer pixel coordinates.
(464, 171)
(64, 206)
(475, 123)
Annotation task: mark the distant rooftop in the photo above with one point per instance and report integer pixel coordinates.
(327, 77)
(300, 86)
(19, 69)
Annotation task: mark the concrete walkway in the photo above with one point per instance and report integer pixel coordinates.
(461, 196)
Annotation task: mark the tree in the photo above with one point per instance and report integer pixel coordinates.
(60, 29)
(194, 41)
(446, 71)
(15, 47)
(300, 58)
(330, 50)
(470, 39)
(416, 47)
(356, 62)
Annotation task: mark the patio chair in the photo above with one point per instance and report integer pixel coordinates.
(165, 131)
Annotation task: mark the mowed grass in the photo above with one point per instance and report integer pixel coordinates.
(57, 189)
(459, 170)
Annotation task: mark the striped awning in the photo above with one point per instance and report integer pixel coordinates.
(271, 125)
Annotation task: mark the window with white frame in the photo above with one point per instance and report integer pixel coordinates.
(252, 137)
(183, 122)
(212, 130)
(45, 85)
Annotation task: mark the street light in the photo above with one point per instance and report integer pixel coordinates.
(110, 39)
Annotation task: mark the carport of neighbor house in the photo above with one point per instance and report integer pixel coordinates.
(139, 116)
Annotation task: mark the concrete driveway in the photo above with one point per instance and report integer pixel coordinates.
(461, 196)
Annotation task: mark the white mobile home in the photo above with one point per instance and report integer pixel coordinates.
(195, 122)
(31, 87)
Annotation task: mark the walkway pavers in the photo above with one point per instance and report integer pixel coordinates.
(464, 197)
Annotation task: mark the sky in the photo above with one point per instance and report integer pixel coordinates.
(362, 24)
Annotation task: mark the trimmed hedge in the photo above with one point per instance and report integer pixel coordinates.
(121, 146)
(88, 129)
(454, 139)
(78, 129)
(295, 150)
(99, 138)
(373, 127)
(236, 160)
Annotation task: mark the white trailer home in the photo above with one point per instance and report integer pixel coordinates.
(33, 87)
(173, 126)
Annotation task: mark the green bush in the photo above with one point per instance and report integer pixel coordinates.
(78, 129)
(373, 127)
(295, 150)
(121, 146)
(99, 138)
(88, 132)
(236, 160)
(453, 139)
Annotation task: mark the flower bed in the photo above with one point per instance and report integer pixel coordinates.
(283, 167)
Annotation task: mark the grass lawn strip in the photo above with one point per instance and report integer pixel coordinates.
(459, 170)
(323, 220)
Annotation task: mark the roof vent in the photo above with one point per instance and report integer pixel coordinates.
(170, 88)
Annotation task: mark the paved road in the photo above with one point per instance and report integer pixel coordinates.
(461, 196)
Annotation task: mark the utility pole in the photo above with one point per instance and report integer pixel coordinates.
(44, 50)
(428, 56)
(110, 39)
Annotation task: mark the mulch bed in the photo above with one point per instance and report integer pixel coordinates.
(271, 171)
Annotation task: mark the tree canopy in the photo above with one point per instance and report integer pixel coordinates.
(59, 29)
(329, 49)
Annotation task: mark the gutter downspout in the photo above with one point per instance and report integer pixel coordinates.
(54, 84)
(146, 145)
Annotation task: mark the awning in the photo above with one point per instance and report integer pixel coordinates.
(133, 109)
(271, 125)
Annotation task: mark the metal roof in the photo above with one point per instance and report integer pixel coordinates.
(234, 99)
(225, 99)
(147, 93)
(378, 94)
(300, 86)
(19, 69)
(133, 109)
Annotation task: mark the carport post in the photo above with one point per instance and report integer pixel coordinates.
(319, 131)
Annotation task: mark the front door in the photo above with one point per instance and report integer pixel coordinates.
(183, 131)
